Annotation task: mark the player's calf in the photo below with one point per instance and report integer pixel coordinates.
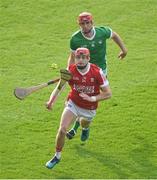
(70, 134)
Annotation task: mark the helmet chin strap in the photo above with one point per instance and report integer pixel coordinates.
(81, 67)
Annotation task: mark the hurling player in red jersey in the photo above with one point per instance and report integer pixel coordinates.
(88, 86)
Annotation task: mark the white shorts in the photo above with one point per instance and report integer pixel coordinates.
(80, 112)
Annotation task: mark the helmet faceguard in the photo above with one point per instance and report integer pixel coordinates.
(85, 17)
(84, 54)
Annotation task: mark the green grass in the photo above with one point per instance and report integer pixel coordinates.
(123, 138)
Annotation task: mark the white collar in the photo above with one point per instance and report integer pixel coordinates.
(88, 68)
(89, 38)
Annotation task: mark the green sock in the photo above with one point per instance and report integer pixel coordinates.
(76, 125)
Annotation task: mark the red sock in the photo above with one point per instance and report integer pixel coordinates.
(58, 149)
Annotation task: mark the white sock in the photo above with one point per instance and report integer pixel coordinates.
(85, 128)
(58, 155)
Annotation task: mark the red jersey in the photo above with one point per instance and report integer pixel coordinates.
(88, 83)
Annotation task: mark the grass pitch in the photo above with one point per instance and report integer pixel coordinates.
(123, 137)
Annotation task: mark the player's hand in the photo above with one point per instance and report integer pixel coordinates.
(122, 54)
(87, 98)
(65, 74)
(48, 105)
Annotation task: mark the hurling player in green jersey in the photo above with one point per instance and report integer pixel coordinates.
(94, 39)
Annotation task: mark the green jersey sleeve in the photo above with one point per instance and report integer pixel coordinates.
(72, 44)
(107, 32)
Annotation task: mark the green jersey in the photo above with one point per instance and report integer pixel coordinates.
(95, 44)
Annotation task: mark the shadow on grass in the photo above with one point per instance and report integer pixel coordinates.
(107, 161)
(138, 164)
(143, 156)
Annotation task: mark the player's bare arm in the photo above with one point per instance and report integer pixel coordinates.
(105, 93)
(117, 39)
(65, 76)
(71, 59)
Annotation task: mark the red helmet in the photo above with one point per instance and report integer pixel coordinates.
(82, 51)
(85, 16)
